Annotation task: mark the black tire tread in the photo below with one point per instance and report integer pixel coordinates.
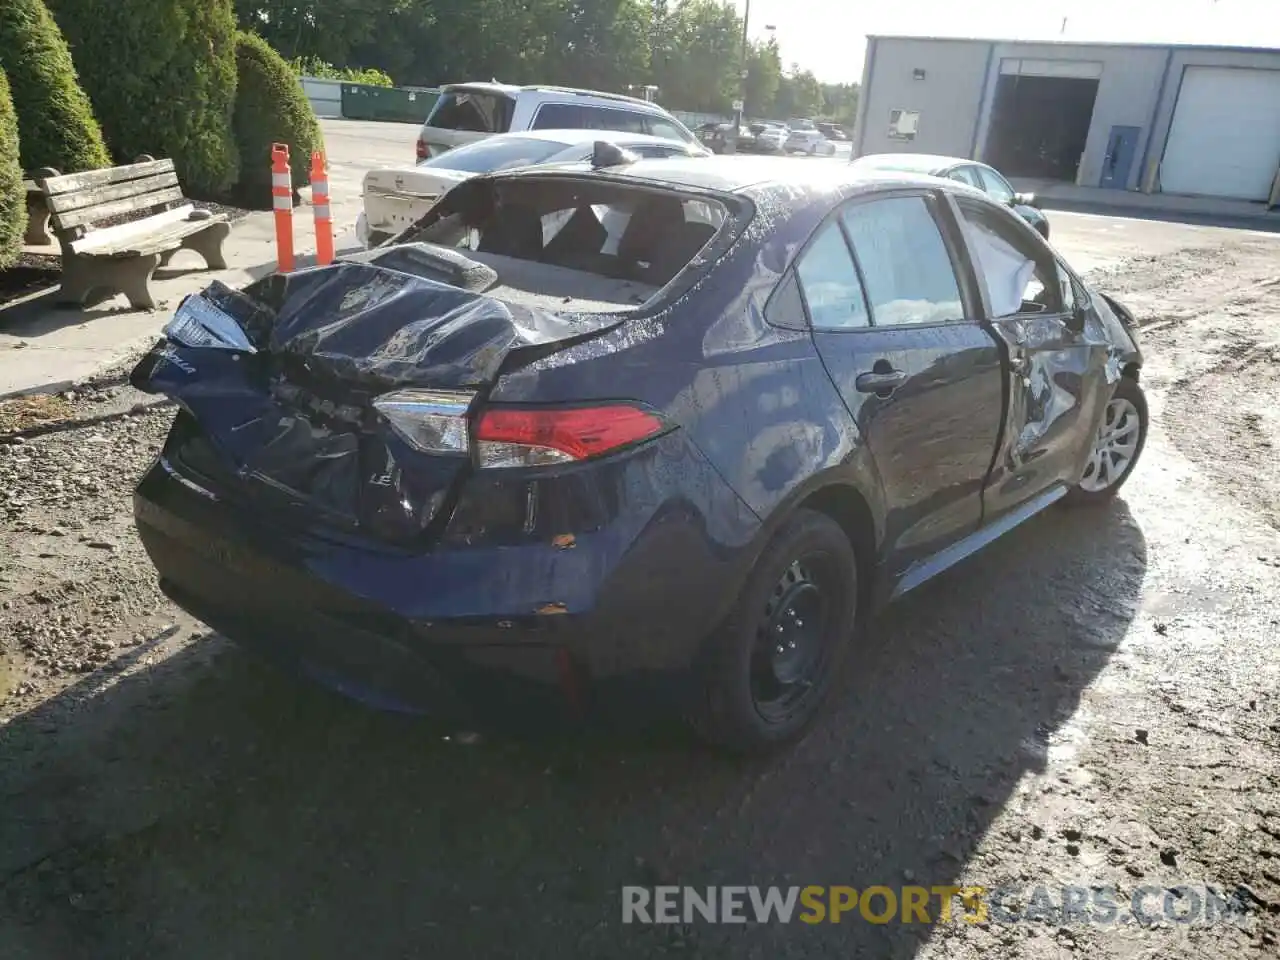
(724, 716)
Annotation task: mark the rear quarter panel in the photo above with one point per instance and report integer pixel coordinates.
(755, 399)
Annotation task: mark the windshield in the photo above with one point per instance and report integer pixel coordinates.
(486, 156)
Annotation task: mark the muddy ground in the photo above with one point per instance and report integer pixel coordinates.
(1092, 702)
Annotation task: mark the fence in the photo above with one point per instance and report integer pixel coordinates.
(362, 102)
(694, 120)
(325, 96)
(358, 101)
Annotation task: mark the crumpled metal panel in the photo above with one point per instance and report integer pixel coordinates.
(1052, 375)
(367, 324)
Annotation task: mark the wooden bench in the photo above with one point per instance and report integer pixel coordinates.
(121, 257)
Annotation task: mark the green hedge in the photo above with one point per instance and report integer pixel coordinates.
(162, 78)
(270, 108)
(55, 120)
(315, 67)
(13, 200)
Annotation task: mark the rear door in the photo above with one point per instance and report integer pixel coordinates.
(1057, 367)
(893, 319)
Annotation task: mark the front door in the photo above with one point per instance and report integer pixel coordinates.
(921, 377)
(1055, 362)
(1122, 147)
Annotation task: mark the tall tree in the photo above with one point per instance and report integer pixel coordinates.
(799, 94)
(701, 61)
(162, 78)
(55, 121)
(13, 204)
(840, 102)
(326, 29)
(764, 75)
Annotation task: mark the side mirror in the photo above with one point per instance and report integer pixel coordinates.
(1026, 200)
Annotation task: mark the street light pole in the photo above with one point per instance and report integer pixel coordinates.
(742, 80)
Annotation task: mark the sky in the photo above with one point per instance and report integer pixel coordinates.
(829, 36)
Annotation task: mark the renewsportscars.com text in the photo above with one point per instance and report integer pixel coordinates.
(1100, 905)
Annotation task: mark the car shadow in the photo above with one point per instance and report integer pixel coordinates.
(207, 806)
(39, 314)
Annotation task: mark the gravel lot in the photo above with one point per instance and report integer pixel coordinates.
(1093, 701)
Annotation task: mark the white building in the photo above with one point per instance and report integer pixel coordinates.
(1199, 121)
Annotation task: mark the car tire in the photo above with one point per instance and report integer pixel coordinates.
(765, 676)
(1128, 405)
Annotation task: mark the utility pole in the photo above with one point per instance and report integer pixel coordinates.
(741, 103)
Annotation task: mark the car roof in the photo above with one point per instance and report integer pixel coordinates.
(511, 90)
(573, 136)
(782, 176)
(912, 162)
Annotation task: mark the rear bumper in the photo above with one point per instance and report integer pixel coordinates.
(459, 626)
(387, 214)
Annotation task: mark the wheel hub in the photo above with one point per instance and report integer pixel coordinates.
(1114, 447)
(795, 631)
(789, 640)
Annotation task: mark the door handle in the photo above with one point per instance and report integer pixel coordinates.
(880, 382)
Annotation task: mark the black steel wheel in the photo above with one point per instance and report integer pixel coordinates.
(771, 666)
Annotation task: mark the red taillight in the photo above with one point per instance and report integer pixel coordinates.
(509, 437)
(424, 152)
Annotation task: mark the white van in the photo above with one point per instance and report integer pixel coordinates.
(472, 111)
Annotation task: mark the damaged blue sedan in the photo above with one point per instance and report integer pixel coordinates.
(666, 426)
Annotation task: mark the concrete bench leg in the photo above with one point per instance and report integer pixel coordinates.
(37, 234)
(81, 276)
(208, 243)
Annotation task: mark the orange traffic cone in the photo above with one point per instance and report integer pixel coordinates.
(320, 207)
(282, 204)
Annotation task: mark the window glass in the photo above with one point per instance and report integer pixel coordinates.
(785, 308)
(996, 186)
(659, 127)
(1067, 288)
(606, 118)
(904, 261)
(486, 156)
(830, 282)
(655, 150)
(559, 116)
(1017, 277)
(473, 112)
(967, 175)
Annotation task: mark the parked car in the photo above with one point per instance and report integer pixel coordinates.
(521, 450)
(833, 132)
(765, 137)
(977, 175)
(714, 136)
(472, 111)
(810, 142)
(395, 198)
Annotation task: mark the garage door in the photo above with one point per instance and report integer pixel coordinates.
(1225, 138)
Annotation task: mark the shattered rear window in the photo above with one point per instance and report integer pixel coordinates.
(639, 236)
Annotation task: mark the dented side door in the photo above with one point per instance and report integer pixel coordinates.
(1058, 360)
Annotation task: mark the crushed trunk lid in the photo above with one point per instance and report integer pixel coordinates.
(289, 419)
